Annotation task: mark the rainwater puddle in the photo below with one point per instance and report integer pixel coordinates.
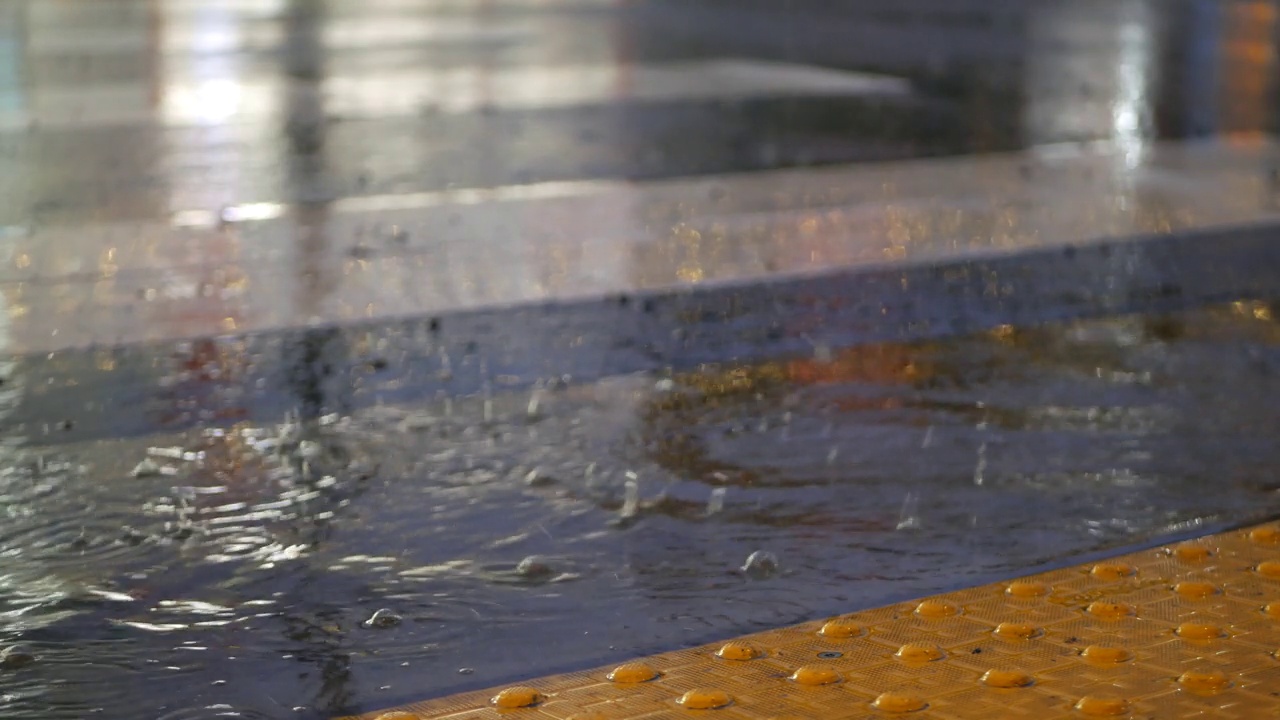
(309, 569)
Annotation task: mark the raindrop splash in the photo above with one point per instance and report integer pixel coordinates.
(146, 468)
(630, 499)
(383, 618)
(534, 567)
(716, 503)
(979, 471)
(909, 516)
(760, 564)
(16, 657)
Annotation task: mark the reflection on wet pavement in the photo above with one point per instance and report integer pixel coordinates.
(380, 257)
(359, 351)
(332, 562)
(175, 171)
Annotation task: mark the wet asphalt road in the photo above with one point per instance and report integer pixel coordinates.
(105, 110)
(984, 77)
(134, 136)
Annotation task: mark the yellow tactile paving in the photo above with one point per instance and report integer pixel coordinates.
(1183, 631)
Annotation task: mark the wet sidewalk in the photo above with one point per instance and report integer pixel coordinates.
(178, 171)
(346, 345)
(272, 266)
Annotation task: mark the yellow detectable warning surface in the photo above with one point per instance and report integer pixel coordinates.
(1187, 630)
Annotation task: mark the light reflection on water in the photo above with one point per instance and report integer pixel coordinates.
(244, 575)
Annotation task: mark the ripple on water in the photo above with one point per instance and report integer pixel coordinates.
(253, 502)
(814, 470)
(218, 711)
(424, 628)
(73, 680)
(532, 570)
(50, 518)
(71, 542)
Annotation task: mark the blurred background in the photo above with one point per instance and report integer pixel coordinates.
(355, 353)
(135, 133)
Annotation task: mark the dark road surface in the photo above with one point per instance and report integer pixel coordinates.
(314, 309)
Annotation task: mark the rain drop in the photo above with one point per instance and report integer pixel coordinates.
(538, 478)
(760, 564)
(534, 567)
(15, 657)
(169, 453)
(309, 450)
(630, 499)
(908, 518)
(382, 618)
(716, 503)
(146, 468)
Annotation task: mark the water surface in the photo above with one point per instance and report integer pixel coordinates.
(513, 534)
